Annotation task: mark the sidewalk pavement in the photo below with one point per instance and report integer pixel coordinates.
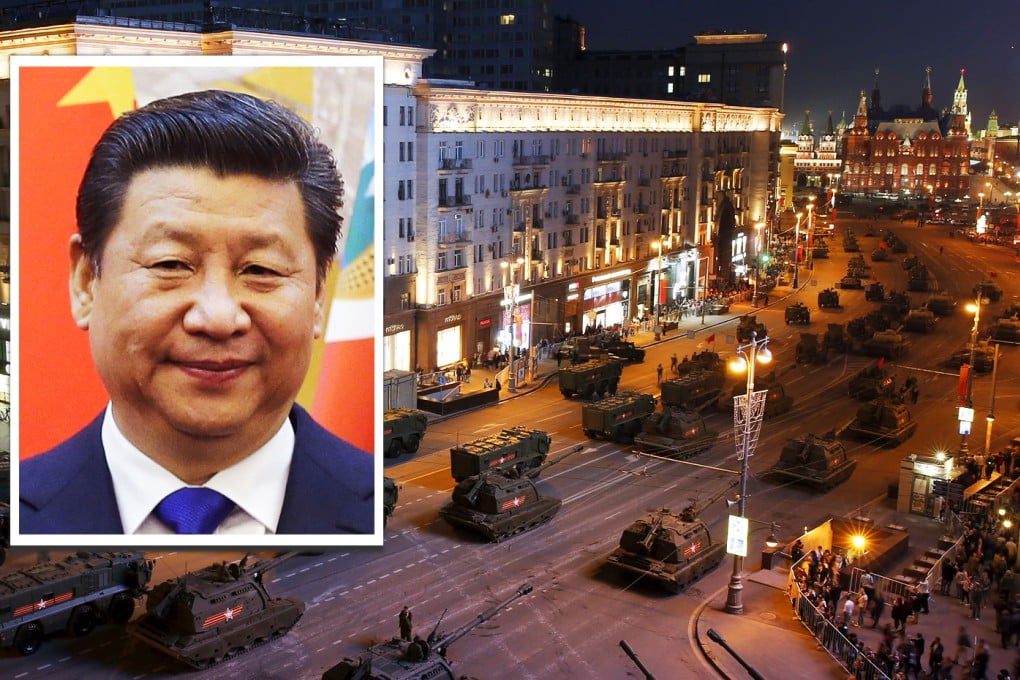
(770, 638)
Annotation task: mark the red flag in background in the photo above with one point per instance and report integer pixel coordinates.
(881, 362)
(711, 338)
(62, 111)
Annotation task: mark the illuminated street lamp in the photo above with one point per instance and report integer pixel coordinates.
(796, 252)
(748, 410)
(510, 294)
(966, 411)
(658, 245)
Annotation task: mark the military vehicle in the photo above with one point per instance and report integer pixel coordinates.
(1007, 329)
(828, 298)
(941, 304)
(875, 292)
(390, 494)
(836, 339)
(718, 307)
(851, 283)
(897, 304)
(988, 289)
(403, 429)
(777, 401)
(692, 390)
(671, 549)
(820, 462)
(984, 357)
(5, 530)
(878, 320)
(624, 350)
(73, 595)
(417, 659)
(851, 245)
(215, 613)
(887, 343)
(920, 320)
(499, 503)
(871, 383)
(579, 349)
(809, 350)
(896, 244)
(820, 252)
(749, 325)
(675, 433)
(880, 255)
(618, 418)
(590, 378)
(910, 262)
(917, 278)
(516, 448)
(704, 360)
(882, 421)
(799, 313)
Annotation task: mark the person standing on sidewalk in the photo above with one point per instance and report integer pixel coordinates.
(862, 607)
(658, 373)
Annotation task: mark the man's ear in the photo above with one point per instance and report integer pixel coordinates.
(83, 277)
(319, 322)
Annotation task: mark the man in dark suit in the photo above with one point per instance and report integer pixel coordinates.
(206, 225)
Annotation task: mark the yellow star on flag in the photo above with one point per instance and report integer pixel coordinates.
(113, 86)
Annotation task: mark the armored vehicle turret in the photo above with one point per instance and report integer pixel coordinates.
(500, 504)
(417, 659)
(73, 595)
(919, 320)
(798, 312)
(875, 292)
(887, 343)
(820, 252)
(591, 377)
(988, 289)
(692, 391)
(917, 278)
(517, 448)
(748, 325)
(390, 494)
(880, 255)
(676, 433)
(850, 245)
(820, 462)
(836, 339)
(618, 418)
(777, 401)
(809, 350)
(623, 350)
(668, 548)
(871, 383)
(910, 262)
(882, 421)
(1007, 329)
(984, 357)
(828, 298)
(851, 283)
(941, 304)
(215, 613)
(403, 429)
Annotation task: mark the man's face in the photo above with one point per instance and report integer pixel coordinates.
(204, 311)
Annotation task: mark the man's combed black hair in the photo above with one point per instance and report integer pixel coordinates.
(228, 133)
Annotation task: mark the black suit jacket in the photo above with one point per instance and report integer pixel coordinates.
(330, 490)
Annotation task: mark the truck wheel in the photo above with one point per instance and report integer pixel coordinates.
(28, 639)
(603, 387)
(413, 443)
(566, 393)
(121, 608)
(589, 390)
(82, 621)
(393, 450)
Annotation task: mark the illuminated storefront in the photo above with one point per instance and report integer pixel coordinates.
(925, 484)
(606, 304)
(397, 346)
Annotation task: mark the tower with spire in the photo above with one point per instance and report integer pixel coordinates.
(960, 103)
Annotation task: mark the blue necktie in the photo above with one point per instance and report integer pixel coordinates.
(194, 510)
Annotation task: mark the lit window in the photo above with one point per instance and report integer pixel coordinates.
(669, 88)
(507, 20)
(704, 77)
(671, 71)
(683, 71)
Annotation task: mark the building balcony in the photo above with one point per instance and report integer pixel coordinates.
(644, 182)
(642, 209)
(574, 189)
(671, 170)
(451, 164)
(536, 253)
(455, 237)
(611, 156)
(462, 201)
(572, 218)
(538, 224)
(527, 186)
(524, 161)
(521, 227)
(675, 154)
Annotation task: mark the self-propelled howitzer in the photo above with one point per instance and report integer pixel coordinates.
(417, 659)
(215, 613)
(499, 504)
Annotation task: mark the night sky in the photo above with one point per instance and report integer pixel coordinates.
(836, 47)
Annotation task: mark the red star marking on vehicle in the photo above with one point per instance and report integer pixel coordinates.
(229, 614)
(41, 605)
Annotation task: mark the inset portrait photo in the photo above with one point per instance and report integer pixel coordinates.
(195, 301)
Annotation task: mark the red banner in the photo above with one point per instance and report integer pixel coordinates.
(962, 385)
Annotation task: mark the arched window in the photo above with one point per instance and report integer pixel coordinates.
(931, 169)
(904, 170)
(888, 168)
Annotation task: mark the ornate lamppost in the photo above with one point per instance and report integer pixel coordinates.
(748, 410)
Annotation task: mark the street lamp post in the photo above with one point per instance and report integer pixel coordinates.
(748, 410)
(796, 252)
(990, 419)
(974, 307)
(658, 287)
(510, 295)
(810, 230)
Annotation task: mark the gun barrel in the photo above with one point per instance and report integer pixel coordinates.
(446, 640)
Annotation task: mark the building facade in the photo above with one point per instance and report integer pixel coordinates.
(908, 152)
(571, 208)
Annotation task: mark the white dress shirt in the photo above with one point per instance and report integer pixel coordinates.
(256, 484)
